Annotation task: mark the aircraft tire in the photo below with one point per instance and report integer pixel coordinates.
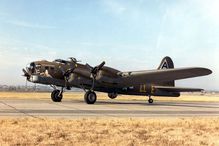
(55, 96)
(112, 95)
(150, 101)
(90, 97)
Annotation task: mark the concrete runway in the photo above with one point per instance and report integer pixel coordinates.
(105, 108)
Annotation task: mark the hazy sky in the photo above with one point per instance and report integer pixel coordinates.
(127, 34)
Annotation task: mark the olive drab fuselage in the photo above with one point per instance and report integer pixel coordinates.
(71, 73)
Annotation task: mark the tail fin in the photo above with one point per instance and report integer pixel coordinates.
(167, 63)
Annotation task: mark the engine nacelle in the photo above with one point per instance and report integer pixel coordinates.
(75, 79)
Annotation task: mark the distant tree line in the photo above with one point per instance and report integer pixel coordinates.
(34, 88)
(25, 88)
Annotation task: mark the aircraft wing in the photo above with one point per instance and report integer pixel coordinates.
(159, 76)
(177, 89)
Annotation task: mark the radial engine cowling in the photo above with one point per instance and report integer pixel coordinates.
(73, 78)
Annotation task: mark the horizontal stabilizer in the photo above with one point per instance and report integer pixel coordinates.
(177, 89)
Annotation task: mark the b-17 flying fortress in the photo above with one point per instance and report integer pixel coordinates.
(66, 74)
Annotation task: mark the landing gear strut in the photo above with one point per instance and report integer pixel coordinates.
(150, 100)
(57, 95)
(90, 97)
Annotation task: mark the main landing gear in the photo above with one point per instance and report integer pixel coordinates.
(150, 100)
(57, 95)
(90, 97)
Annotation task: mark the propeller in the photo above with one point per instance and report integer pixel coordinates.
(94, 71)
(66, 74)
(26, 74)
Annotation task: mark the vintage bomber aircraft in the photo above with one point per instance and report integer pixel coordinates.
(70, 73)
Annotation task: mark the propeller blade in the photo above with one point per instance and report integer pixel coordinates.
(98, 68)
(66, 75)
(26, 74)
(101, 65)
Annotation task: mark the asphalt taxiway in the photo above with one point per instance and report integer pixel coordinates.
(105, 108)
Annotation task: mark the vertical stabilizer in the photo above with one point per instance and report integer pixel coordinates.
(167, 63)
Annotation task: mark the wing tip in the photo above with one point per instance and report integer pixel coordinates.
(207, 71)
(203, 71)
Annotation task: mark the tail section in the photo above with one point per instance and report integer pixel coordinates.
(167, 63)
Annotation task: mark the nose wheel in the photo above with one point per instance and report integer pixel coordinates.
(56, 96)
(150, 100)
(90, 97)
